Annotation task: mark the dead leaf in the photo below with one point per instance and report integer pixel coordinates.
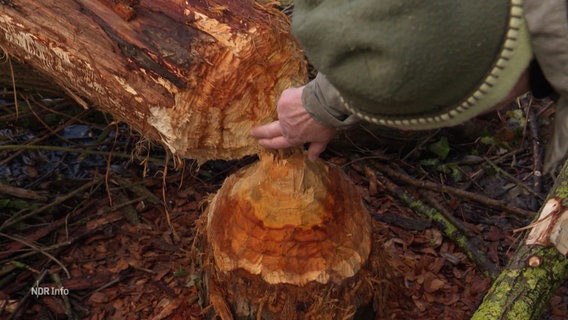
(99, 297)
(433, 285)
(168, 307)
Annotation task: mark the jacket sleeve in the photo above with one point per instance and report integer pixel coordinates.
(548, 27)
(323, 103)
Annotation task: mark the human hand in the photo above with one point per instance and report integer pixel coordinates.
(295, 126)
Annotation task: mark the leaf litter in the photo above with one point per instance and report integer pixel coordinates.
(100, 231)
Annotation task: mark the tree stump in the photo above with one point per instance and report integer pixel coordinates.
(195, 75)
(290, 239)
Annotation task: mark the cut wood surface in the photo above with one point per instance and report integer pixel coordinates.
(290, 239)
(195, 75)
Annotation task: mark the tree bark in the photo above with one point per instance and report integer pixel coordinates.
(14, 74)
(288, 238)
(195, 75)
(524, 288)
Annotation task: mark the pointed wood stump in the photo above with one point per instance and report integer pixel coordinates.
(194, 75)
(290, 239)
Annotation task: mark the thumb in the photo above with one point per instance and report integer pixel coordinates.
(315, 149)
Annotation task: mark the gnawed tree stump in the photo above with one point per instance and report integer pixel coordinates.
(290, 239)
(195, 75)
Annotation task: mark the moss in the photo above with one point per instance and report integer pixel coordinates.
(561, 189)
(533, 276)
(521, 292)
(520, 310)
(492, 306)
(559, 268)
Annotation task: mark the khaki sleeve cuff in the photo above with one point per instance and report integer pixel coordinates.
(557, 147)
(321, 100)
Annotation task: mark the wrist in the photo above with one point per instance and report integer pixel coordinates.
(322, 101)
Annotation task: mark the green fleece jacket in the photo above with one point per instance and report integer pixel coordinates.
(397, 58)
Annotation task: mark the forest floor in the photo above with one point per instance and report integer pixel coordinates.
(98, 223)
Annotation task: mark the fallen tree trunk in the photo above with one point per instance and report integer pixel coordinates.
(26, 78)
(523, 289)
(195, 75)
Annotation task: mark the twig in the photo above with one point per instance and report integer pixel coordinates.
(23, 300)
(451, 231)
(138, 188)
(16, 218)
(38, 249)
(537, 153)
(32, 142)
(512, 179)
(167, 211)
(8, 249)
(422, 143)
(21, 193)
(106, 285)
(31, 253)
(66, 302)
(429, 199)
(458, 192)
(53, 132)
(66, 149)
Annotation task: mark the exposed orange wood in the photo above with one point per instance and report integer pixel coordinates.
(287, 231)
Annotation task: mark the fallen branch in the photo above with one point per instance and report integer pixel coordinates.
(21, 193)
(524, 288)
(193, 75)
(536, 150)
(500, 204)
(446, 226)
(514, 180)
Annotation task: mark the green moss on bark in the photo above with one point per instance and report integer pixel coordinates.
(521, 291)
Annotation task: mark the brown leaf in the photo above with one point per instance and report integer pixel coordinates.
(437, 265)
(372, 178)
(167, 306)
(419, 304)
(432, 283)
(99, 297)
(122, 264)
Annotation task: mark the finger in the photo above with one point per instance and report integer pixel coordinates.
(267, 131)
(315, 149)
(275, 143)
